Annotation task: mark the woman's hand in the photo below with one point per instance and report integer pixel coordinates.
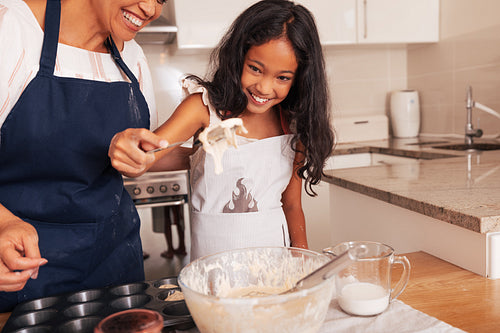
(19, 253)
(128, 151)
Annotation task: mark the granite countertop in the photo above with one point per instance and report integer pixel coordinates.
(458, 187)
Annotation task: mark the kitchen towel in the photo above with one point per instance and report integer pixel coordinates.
(399, 317)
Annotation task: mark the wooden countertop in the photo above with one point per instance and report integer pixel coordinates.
(456, 296)
(463, 190)
(442, 290)
(3, 319)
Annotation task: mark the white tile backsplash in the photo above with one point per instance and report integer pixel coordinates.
(167, 69)
(442, 72)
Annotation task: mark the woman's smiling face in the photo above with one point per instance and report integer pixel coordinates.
(125, 18)
(268, 74)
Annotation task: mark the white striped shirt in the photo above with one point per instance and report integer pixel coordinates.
(21, 41)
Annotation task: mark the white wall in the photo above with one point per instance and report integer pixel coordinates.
(167, 70)
(467, 54)
(459, 17)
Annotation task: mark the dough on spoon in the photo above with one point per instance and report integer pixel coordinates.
(217, 138)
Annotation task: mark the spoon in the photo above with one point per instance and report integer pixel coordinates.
(328, 270)
(225, 130)
(196, 143)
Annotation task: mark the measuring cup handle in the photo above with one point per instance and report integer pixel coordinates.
(403, 280)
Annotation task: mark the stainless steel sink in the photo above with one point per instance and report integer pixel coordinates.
(473, 146)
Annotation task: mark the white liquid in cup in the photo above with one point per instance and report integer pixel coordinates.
(363, 299)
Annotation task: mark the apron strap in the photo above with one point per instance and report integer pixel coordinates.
(110, 43)
(51, 37)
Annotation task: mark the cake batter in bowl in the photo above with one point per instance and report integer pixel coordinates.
(239, 291)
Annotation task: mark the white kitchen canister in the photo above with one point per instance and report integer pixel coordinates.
(405, 113)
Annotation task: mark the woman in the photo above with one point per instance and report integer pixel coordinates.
(66, 220)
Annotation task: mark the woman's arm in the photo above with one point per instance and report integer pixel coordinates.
(292, 207)
(128, 149)
(19, 252)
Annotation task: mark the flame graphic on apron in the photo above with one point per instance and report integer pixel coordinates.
(242, 200)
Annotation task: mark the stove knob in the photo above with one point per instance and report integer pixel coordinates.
(163, 188)
(150, 189)
(176, 187)
(136, 191)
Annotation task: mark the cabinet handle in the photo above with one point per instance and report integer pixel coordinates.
(365, 17)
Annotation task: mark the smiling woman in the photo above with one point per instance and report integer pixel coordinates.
(71, 77)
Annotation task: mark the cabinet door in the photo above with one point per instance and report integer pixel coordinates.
(318, 217)
(335, 19)
(398, 21)
(201, 24)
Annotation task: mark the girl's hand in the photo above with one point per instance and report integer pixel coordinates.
(19, 254)
(128, 151)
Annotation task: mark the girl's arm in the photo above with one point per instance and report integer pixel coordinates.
(128, 149)
(292, 206)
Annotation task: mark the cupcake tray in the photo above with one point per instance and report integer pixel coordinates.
(80, 312)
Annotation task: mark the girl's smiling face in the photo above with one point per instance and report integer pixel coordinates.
(268, 74)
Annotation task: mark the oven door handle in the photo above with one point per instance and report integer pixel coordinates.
(162, 204)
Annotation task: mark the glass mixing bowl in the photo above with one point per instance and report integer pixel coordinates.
(238, 291)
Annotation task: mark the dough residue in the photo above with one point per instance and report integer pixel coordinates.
(217, 138)
(175, 296)
(255, 291)
(167, 286)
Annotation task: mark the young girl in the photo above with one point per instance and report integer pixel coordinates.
(268, 70)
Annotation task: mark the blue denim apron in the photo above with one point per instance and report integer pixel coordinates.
(55, 174)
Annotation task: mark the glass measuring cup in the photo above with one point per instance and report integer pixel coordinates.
(364, 288)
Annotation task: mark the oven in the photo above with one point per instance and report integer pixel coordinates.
(157, 190)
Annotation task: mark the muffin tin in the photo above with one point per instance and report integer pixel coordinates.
(80, 312)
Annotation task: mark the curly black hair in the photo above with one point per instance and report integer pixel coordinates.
(307, 105)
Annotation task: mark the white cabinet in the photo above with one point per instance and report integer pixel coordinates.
(355, 216)
(317, 210)
(318, 217)
(398, 21)
(335, 19)
(375, 21)
(201, 24)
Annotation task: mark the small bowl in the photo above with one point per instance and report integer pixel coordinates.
(211, 286)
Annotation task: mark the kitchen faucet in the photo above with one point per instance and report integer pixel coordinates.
(470, 132)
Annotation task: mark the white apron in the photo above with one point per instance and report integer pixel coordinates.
(241, 207)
